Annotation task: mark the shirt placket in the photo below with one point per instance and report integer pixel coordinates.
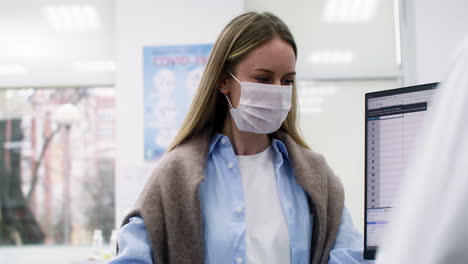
(285, 199)
(237, 202)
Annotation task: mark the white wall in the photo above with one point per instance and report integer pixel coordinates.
(371, 43)
(151, 23)
(431, 31)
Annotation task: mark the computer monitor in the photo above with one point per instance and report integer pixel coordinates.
(393, 119)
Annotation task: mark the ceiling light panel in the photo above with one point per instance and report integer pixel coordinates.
(72, 17)
(349, 11)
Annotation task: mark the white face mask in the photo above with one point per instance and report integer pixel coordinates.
(262, 107)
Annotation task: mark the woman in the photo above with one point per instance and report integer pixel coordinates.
(238, 183)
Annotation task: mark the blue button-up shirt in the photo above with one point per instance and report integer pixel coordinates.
(222, 203)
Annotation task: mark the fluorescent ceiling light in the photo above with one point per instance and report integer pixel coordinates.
(94, 66)
(72, 17)
(12, 69)
(349, 11)
(331, 57)
(324, 90)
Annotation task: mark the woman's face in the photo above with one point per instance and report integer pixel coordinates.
(271, 63)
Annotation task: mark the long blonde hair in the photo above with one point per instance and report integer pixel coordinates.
(242, 35)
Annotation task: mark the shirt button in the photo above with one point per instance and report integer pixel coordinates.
(223, 141)
(239, 209)
(230, 165)
(239, 261)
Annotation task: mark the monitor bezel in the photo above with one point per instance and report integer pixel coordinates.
(370, 252)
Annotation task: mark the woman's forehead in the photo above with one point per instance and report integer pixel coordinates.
(276, 55)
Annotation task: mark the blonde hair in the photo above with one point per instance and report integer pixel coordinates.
(242, 35)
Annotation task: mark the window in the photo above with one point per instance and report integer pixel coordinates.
(56, 165)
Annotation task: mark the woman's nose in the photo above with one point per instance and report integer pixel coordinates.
(277, 82)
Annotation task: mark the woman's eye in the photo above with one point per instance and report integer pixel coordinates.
(263, 79)
(288, 82)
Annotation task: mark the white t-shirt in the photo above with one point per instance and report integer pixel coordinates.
(267, 239)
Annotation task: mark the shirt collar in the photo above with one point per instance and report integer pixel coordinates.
(214, 141)
(278, 145)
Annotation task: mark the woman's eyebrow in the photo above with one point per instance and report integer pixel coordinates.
(264, 70)
(271, 72)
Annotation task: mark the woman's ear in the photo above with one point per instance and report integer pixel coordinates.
(223, 86)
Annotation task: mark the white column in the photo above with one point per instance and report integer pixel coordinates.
(431, 31)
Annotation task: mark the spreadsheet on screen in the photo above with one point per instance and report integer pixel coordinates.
(394, 120)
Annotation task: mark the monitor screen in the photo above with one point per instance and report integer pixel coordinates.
(393, 121)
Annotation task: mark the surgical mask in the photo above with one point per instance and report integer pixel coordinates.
(262, 107)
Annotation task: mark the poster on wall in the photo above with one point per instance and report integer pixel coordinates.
(171, 75)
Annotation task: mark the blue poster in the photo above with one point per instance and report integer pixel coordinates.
(171, 75)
